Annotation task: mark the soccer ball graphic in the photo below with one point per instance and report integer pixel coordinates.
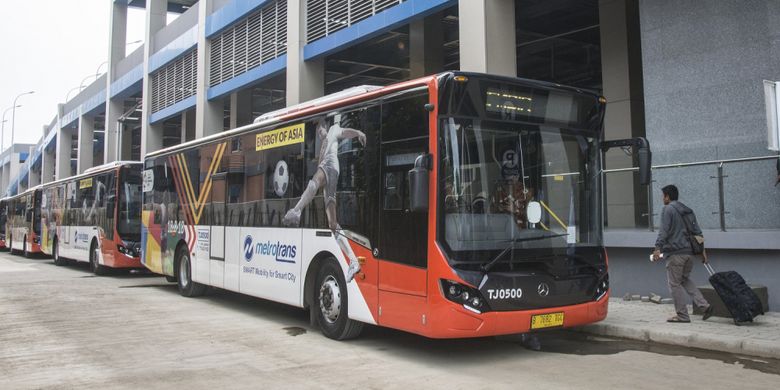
(281, 178)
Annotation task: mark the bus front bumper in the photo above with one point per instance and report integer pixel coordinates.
(120, 260)
(457, 322)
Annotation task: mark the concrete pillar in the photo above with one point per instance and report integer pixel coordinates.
(305, 79)
(426, 46)
(151, 135)
(16, 166)
(85, 153)
(241, 108)
(33, 178)
(62, 151)
(487, 36)
(208, 113)
(621, 69)
(5, 176)
(188, 125)
(125, 141)
(183, 128)
(114, 110)
(64, 139)
(116, 52)
(47, 166)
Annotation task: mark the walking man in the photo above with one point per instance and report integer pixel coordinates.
(673, 243)
(327, 177)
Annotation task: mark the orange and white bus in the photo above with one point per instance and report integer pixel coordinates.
(94, 217)
(3, 222)
(462, 204)
(23, 228)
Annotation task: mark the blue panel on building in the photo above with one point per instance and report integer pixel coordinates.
(374, 25)
(95, 105)
(172, 110)
(36, 158)
(128, 84)
(231, 13)
(51, 140)
(173, 50)
(253, 76)
(69, 119)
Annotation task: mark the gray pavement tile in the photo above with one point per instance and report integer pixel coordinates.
(647, 322)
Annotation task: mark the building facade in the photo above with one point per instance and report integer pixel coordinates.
(685, 74)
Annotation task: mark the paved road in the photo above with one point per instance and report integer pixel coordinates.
(63, 328)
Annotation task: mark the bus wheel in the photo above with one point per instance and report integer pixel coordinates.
(55, 252)
(94, 264)
(24, 248)
(330, 294)
(187, 287)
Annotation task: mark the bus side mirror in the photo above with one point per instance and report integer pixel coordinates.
(418, 183)
(645, 157)
(29, 215)
(642, 149)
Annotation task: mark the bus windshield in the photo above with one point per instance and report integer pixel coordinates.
(128, 223)
(494, 166)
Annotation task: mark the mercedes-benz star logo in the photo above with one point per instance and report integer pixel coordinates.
(543, 289)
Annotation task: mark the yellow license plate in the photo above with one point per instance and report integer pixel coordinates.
(546, 320)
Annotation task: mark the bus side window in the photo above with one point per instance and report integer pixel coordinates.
(358, 182)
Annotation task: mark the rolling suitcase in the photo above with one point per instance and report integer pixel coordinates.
(740, 300)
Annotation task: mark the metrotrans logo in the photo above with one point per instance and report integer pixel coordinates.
(80, 237)
(281, 252)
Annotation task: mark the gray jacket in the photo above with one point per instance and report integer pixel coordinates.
(671, 236)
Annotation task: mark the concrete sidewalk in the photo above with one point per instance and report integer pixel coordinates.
(647, 322)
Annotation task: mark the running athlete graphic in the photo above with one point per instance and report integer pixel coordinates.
(326, 177)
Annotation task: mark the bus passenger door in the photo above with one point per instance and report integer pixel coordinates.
(402, 250)
(217, 224)
(234, 220)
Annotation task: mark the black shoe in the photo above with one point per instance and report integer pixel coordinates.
(707, 313)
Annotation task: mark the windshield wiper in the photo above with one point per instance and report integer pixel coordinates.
(487, 266)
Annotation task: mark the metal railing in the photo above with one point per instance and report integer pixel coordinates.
(720, 176)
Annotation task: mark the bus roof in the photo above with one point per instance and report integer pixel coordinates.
(350, 96)
(91, 172)
(28, 191)
(318, 102)
(329, 102)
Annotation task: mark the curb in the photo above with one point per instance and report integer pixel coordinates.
(720, 343)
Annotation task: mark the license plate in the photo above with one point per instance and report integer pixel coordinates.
(546, 320)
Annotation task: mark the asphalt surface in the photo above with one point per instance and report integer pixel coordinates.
(64, 328)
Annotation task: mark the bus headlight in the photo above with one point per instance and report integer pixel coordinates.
(464, 295)
(126, 250)
(602, 287)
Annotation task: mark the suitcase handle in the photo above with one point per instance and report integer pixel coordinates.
(709, 269)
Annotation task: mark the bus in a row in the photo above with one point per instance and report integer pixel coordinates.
(94, 217)
(3, 222)
(23, 222)
(455, 205)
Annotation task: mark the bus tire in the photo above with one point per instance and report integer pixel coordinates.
(25, 253)
(331, 302)
(183, 269)
(55, 253)
(94, 263)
